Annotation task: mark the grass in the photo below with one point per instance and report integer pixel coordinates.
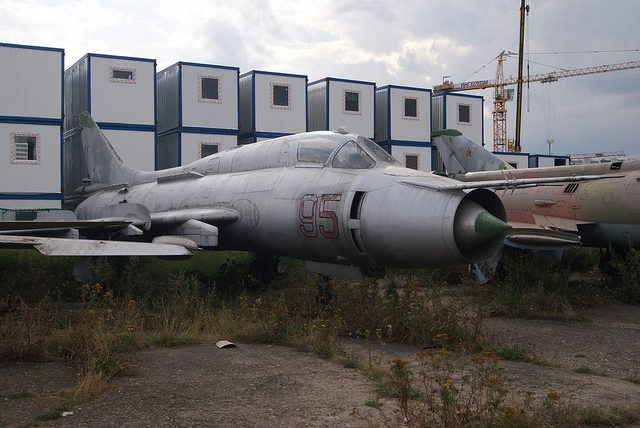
(590, 370)
(350, 361)
(514, 353)
(54, 412)
(16, 395)
(526, 287)
(633, 378)
(469, 390)
(145, 303)
(375, 403)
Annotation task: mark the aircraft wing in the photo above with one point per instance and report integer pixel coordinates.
(504, 184)
(178, 232)
(90, 247)
(11, 227)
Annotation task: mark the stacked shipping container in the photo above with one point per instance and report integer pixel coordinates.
(336, 103)
(197, 112)
(271, 105)
(403, 124)
(31, 112)
(119, 93)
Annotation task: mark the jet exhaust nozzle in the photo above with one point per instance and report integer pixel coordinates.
(475, 227)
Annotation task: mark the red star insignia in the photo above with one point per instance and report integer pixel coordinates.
(468, 152)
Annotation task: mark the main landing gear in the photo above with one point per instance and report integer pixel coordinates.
(325, 294)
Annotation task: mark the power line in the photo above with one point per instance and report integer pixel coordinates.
(581, 52)
(481, 68)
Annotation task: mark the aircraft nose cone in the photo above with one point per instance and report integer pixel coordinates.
(475, 225)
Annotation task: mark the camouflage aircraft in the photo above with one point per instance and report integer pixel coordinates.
(335, 200)
(601, 212)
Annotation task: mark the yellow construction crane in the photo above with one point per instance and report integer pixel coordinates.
(500, 143)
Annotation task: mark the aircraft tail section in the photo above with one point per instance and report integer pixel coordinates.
(104, 166)
(461, 154)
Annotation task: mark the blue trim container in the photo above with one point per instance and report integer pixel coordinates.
(31, 118)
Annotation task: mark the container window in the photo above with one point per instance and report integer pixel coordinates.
(559, 162)
(352, 102)
(410, 108)
(280, 96)
(209, 90)
(411, 161)
(25, 148)
(208, 149)
(464, 114)
(122, 75)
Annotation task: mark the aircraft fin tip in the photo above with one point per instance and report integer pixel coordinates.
(449, 132)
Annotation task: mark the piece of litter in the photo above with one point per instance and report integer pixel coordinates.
(67, 413)
(225, 344)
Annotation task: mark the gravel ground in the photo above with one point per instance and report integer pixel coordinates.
(263, 385)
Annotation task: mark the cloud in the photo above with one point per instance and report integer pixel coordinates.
(410, 42)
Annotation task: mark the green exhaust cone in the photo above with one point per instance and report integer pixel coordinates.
(488, 225)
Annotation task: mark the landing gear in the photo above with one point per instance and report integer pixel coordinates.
(266, 268)
(325, 293)
(612, 259)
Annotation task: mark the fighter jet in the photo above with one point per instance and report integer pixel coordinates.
(333, 199)
(601, 212)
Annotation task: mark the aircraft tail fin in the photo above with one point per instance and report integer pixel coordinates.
(103, 163)
(461, 154)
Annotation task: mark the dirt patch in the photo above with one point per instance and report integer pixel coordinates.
(251, 385)
(28, 389)
(608, 341)
(263, 385)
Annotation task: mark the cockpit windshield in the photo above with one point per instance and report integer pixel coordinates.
(318, 148)
(352, 156)
(378, 151)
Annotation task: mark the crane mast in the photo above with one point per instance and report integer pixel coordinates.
(523, 9)
(499, 110)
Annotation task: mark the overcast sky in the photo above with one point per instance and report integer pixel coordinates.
(412, 42)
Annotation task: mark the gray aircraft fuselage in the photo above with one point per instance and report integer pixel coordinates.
(321, 196)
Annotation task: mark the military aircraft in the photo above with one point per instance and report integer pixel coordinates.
(601, 212)
(333, 199)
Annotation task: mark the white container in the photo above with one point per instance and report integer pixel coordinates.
(539, 160)
(336, 103)
(197, 110)
(31, 173)
(403, 114)
(31, 112)
(194, 95)
(120, 94)
(413, 156)
(459, 111)
(183, 147)
(271, 105)
(135, 148)
(516, 160)
(31, 82)
(115, 90)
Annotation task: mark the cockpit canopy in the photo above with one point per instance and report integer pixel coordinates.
(351, 152)
(310, 149)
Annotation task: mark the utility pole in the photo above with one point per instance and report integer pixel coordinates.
(523, 9)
